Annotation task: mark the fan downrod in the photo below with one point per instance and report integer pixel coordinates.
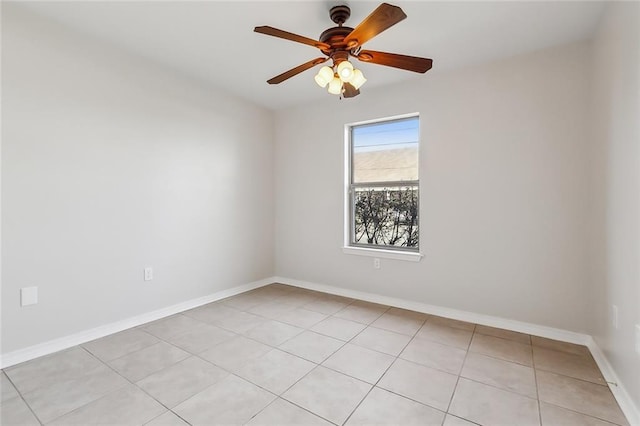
(340, 14)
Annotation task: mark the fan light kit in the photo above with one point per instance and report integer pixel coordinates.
(340, 43)
(334, 80)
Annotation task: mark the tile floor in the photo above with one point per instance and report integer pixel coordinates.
(280, 355)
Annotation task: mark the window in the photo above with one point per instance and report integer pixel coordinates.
(383, 185)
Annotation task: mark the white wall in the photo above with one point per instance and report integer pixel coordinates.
(504, 196)
(110, 164)
(616, 184)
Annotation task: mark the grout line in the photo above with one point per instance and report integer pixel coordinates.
(387, 369)
(316, 296)
(23, 399)
(535, 380)
(111, 391)
(583, 414)
(461, 418)
(466, 354)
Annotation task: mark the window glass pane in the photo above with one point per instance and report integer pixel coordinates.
(385, 216)
(385, 151)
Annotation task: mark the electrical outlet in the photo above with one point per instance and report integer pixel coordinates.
(28, 296)
(376, 263)
(614, 316)
(638, 339)
(148, 274)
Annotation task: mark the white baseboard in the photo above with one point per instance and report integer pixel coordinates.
(507, 324)
(629, 408)
(46, 348)
(627, 405)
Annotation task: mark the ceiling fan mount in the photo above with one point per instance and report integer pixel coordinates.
(340, 43)
(340, 14)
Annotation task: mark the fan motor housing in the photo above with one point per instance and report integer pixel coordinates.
(335, 35)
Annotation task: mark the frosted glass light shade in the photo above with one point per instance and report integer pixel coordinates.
(358, 79)
(335, 86)
(345, 71)
(324, 76)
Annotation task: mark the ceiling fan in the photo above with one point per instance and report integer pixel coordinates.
(340, 43)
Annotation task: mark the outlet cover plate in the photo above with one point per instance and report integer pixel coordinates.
(28, 296)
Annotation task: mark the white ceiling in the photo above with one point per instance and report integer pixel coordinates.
(214, 41)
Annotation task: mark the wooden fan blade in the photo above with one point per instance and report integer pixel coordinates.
(291, 36)
(297, 70)
(379, 20)
(350, 91)
(404, 62)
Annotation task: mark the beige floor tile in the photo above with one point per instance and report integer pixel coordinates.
(181, 381)
(496, 385)
(271, 310)
(201, 338)
(211, 312)
(557, 345)
(312, 346)
(406, 313)
(400, 321)
(487, 405)
(231, 401)
(328, 394)
(381, 407)
(284, 413)
(450, 420)
(576, 366)
(172, 326)
(359, 362)
(557, 416)
(435, 355)
(167, 419)
(276, 371)
(239, 322)
(140, 364)
(246, 301)
(327, 306)
(423, 384)
(273, 291)
(507, 350)
(338, 328)
(51, 402)
(461, 325)
(302, 318)
(273, 333)
(123, 407)
(48, 370)
(120, 344)
(15, 411)
(298, 298)
(505, 334)
(445, 335)
(380, 340)
(389, 342)
(235, 353)
(363, 312)
(7, 389)
(578, 395)
(502, 374)
(276, 287)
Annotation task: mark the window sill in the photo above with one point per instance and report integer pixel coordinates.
(383, 254)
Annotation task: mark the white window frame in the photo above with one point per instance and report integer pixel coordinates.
(381, 252)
